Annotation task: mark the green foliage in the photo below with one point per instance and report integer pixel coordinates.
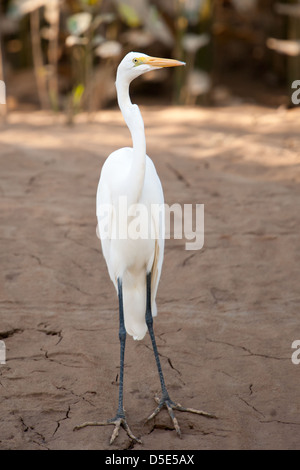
(77, 94)
(95, 34)
(79, 23)
(128, 15)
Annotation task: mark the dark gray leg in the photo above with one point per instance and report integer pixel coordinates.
(119, 420)
(149, 323)
(122, 338)
(165, 400)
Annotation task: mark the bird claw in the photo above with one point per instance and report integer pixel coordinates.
(170, 405)
(118, 422)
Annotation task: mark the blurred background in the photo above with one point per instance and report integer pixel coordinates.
(62, 55)
(228, 312)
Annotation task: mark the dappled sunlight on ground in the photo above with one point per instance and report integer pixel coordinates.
(227, 314)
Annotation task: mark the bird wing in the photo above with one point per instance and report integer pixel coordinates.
(105, 222)
(158, 222)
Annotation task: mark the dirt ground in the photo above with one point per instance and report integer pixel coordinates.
(228, 313)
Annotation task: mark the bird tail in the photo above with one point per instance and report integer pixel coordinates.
(134, 304)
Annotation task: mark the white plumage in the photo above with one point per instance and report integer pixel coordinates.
(131, 259)
(129, 173)
(134, 257)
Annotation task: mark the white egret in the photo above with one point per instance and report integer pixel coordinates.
(134, 263)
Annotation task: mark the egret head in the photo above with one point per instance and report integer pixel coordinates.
(135, 64)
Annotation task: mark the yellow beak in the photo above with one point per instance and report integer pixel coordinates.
(158, 62)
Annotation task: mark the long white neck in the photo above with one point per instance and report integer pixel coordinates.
(135, 123)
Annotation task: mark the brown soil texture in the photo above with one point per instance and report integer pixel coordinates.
(227, 314)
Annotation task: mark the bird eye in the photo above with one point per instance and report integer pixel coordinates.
(135, 61)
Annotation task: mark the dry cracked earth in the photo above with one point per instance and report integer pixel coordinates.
(228, 313)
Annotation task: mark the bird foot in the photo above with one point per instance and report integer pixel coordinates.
(118, 421)
(170, 405)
